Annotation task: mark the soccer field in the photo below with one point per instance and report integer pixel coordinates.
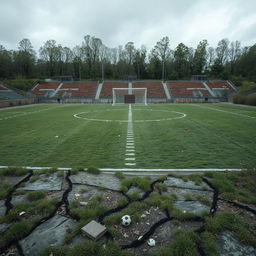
(106, 136)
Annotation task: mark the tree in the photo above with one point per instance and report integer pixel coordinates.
(234, 53)
(6, 68)
(140, 62)
(162, 49)
(25, 58)
(181, 62)
(49, 53)
(129, 53)
(200, 58)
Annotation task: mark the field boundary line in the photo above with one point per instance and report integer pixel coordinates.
(224, 111)
(29, 113)
(134, 170)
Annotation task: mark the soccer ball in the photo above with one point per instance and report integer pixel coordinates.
(126, 220)
(151, 242)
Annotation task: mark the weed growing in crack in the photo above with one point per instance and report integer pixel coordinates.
(184, 243)
(88, 248)
(4, 190)
(203, 200)
(230, 221)
(238, 186)
(119, 175)
(13, 171)
(35, 195)
(142, 183)
(93, 170)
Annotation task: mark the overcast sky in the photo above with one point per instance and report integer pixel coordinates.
(117, 22)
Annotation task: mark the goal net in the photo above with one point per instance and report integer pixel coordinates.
(129, 95)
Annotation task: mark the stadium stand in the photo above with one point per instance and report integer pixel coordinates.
(78, 89)
(9, 97)
(187, 89)
(44, 89)
(154, 88)
(106, 91)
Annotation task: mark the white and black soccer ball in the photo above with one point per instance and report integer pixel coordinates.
(126, 220)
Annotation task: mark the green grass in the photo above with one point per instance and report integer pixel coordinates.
(210, 136)
(239, 186)
(233, 222)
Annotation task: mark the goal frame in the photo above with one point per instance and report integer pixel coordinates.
(129, 92)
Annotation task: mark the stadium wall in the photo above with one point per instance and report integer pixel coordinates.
(11, 103)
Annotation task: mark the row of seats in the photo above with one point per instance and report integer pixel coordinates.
(155, 89)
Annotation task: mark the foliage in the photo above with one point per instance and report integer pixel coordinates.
(87, 248)
(16, 231)
(93, 170)
(35, 195)
(142, 183)
(248, 100)
(4, 190)
(13, 171)
(232, 222)
(93, 60)
(238, 186)
(120, 175)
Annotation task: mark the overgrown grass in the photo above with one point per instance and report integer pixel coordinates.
(233, 222)
(142, 183)
(35, 195)
(13, 171)
(93, 170)
(88, 248)
(90, 212)
(17, 231)
(239, 186)
(41, 207)
(203, 200)
(120, 175)
(184, 243)
(4, 190)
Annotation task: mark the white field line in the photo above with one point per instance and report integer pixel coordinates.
(28, 113)
(224, 111)
(134, 170)
(130, 161)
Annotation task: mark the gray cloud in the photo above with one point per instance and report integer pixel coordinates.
(118, 21)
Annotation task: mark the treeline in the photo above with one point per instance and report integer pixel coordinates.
(93, 60)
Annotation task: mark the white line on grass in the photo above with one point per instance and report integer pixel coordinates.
(224, 111)
(130, 161)
(28, 113)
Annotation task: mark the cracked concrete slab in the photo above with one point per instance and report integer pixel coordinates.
(2, 207)
(103, 180)
(53, 182)
(176, 182)
(230, 246)
(195, 207)
(49, 233)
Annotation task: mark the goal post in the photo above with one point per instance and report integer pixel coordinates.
(129, 95)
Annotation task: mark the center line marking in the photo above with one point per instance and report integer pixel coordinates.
(130, 161)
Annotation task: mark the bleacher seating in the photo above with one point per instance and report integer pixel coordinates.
(78, 89)
(6, 94)
(187, 89)
(3, 88)
(43, 89)
(154, 88)
(108, 86)
(219, 85)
